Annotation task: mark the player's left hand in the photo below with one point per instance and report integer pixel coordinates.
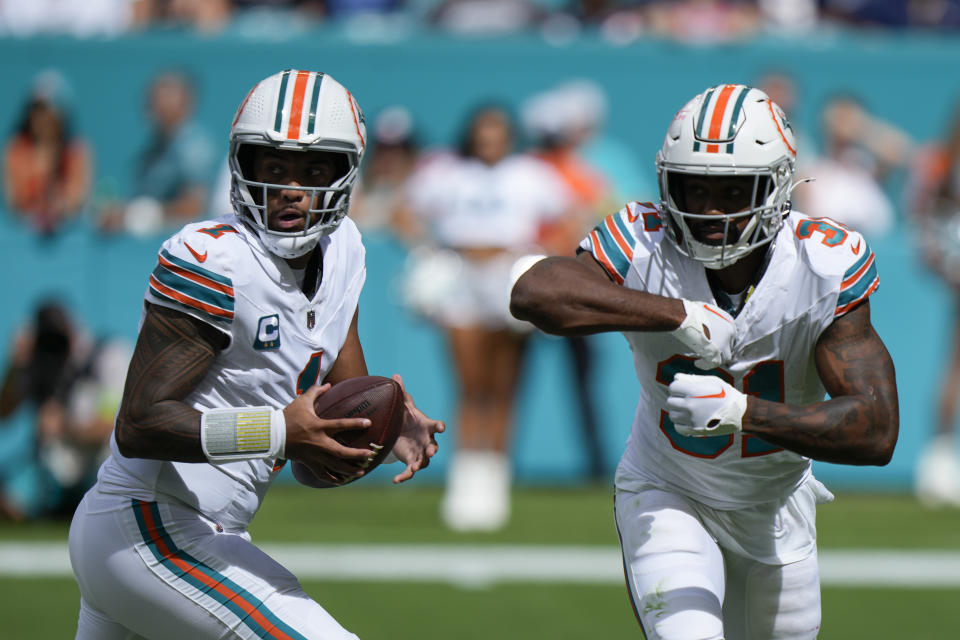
(705, 406)
(417, 442)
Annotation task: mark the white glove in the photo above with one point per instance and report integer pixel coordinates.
(705, 406)
(708, 331)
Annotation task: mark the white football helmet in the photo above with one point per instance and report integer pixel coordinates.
(302, 111)
(728, 130)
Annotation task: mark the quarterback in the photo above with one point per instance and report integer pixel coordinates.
(247, 319)
(741, 315)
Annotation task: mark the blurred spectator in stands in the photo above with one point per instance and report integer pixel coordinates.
(486, 17)
(704, 21)
(276, 19)
(627, 178)
(70, 387)
(173, 173)
(559, 122)
(391, 156)
(342, 9)
(923, 14)
(788, 17)
(309, 12)
(46, 166)
(933, 14)
(934, 201)
(24, 18)
(207, 16)
(602, 12)
(481, 208)
(858, 154)
(313, 10)
(618, 21)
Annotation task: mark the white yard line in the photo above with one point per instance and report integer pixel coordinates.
(480, 565)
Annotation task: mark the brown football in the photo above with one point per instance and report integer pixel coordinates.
(376, 398)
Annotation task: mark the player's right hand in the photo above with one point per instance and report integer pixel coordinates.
(709, 332)
(310, 438)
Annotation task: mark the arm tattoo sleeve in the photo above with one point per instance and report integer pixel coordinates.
(859, 423)
(172, 355)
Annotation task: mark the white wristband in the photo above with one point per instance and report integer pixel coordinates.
(245, 433)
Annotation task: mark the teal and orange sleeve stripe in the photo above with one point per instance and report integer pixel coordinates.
(859, 282)
(189, 285)
(612, 243)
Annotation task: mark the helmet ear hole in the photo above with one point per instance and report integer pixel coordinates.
(246, 154)
(341, 165)
(677, 189)
(245, 157)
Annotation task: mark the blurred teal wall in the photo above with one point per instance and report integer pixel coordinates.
(909, 80)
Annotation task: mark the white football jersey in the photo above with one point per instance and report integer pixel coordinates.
(281, 343)
(818, 270)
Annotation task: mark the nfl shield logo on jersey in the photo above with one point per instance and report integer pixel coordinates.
(268, 333)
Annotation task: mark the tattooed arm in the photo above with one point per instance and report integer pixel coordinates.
(860, 422)
(173, 353)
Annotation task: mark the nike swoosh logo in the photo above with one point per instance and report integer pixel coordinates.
(199, 256)
(722, 394)
(856, 249)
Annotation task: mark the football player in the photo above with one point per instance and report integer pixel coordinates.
(741, 315)
(247, 319)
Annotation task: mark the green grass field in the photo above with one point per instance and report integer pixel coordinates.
(45, 608)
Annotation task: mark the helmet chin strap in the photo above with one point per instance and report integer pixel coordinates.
(722, 256)
(282, 246)
(288, 248)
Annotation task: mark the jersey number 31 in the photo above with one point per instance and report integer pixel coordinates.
(764, 380)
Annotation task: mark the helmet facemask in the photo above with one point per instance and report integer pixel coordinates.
(765, 205)
(328, 204)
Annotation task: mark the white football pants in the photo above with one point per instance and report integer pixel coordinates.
(685, 586)
(159, 570)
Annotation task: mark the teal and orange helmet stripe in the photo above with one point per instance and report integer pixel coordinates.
(718, 117)
(281, 101)
(859, 282)
(187, 284)
(251, 611)
(296, 113)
